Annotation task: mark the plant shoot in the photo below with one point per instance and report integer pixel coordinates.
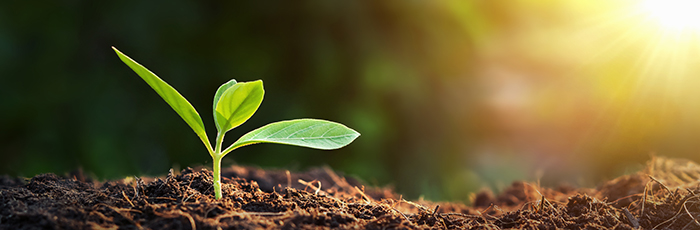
(234, 103)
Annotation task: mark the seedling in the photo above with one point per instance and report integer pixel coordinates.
(234, 103)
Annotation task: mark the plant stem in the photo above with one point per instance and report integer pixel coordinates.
(217, 165)
(217, 177)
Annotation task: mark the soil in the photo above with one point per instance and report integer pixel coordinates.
(663, 196)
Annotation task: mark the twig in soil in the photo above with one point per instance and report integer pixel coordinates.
(420, 207)
(619, 199)
(552, 206)
(321, 192)
(438, 215)
(484, 213)
(127, 199)
(393, 207)
(190, 196)
(289, 179)
(487, 209)
(309, 185)
(209, 189)
(189, 217)
(362, 193)
(657, 181)
(613, 216)
(442, 221)
(498, 209)
(487, 216)
(242, 214)
(533, 187)
(495, 207)
(525, 205)
(318, 189)
(461, 214)
(264, 213)
(118, 211)
(644, 199)
(401, 213)
(138, 184)
(176, 214)
(102, 216)
(164, 198)
(633, 220)
(206, 214)
(189, 185)
(397, 203)
(542, 200)
(677, 213)
(691, 216)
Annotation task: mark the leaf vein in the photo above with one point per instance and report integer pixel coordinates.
(304, 129)
(324, 133)
(312, 138)
(275, 133)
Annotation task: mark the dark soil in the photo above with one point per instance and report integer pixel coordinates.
(663, 196)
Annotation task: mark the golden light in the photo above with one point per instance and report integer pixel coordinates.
(641, 59)
(674, 14)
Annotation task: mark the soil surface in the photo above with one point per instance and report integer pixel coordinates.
(663, 196)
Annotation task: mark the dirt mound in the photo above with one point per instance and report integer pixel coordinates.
(664, 196)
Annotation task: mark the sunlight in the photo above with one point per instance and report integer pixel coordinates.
(641, 61)
(674, 14)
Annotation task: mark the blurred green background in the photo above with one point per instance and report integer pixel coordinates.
(450, 96)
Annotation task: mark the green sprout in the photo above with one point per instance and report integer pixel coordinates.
(234, 103)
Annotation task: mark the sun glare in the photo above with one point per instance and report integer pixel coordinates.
(674, 14)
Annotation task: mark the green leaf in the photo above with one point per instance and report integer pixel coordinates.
(171, 96)
(312, 133)
(237, 104)
(217, 96)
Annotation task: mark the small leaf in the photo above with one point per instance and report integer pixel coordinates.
(237, 104)
(312, 133)
(171, 96)
(218, 94)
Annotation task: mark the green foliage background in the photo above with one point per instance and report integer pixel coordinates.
(69, 102)
(411, 76)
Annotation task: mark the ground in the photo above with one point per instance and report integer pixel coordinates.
(663, 196)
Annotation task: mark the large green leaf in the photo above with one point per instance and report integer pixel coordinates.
(312, 133)
(237, 104)
(171, 96)
(217, 96)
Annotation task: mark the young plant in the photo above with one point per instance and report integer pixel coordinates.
(234, 103)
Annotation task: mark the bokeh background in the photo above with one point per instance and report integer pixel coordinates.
(450, 96)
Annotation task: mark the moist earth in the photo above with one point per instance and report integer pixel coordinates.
(665, 195)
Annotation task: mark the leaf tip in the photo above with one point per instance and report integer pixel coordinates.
(355, 136)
